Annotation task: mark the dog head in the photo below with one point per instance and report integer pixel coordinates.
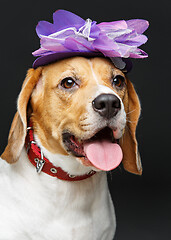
(75, 103)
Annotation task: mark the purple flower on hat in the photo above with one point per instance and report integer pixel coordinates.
(70, 34)
(122, 38)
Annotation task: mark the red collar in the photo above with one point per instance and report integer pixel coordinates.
(43, 164)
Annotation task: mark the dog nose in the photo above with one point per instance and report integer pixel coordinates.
(107, 105)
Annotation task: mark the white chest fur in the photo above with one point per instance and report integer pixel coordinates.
(37, 206)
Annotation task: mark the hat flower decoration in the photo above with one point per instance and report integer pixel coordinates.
(70, 35)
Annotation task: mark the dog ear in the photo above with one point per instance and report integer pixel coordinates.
(131, 158)
(17, 134)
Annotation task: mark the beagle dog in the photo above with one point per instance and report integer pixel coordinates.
(83, 114)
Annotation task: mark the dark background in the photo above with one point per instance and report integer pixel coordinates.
(143, 204)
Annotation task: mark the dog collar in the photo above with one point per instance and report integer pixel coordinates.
(42, 164)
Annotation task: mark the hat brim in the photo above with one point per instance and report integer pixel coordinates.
(50, 58)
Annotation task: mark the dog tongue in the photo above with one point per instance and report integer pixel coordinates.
(103, 155)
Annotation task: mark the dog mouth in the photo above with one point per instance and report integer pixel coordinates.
(101, 151)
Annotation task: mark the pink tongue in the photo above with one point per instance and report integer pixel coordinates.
(103, 155)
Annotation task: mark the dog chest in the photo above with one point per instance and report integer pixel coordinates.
(43, 207)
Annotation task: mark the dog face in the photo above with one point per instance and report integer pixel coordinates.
(75, 102)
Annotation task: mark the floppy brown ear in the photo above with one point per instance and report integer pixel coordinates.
(131, 158)
(17, 134)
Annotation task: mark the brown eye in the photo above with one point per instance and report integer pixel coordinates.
(118, 81)
(68, 83)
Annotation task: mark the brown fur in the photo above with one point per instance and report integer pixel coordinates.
(131, 158)
(53, 110)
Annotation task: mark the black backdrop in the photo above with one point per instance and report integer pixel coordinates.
(143, 204)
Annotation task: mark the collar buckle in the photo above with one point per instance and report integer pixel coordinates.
(39, 164)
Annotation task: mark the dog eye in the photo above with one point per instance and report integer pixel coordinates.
(118, 81)
(68, 83)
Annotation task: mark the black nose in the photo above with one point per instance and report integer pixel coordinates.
(107, 105)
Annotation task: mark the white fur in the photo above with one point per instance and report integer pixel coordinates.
(37, 206)
(119, 121)
(93, 73)
(92, 121)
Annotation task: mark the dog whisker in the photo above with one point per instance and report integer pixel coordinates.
(128, 128)
(130, 121)
(120, 169)
(133, 122)
(110, 174)
(131, 111)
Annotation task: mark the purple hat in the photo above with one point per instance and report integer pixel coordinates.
(70, 35)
